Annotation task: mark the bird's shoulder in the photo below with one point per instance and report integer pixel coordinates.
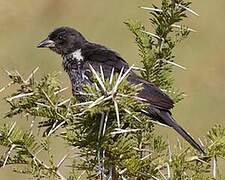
(100, 55)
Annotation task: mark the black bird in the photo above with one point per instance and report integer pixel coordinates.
(78, 53)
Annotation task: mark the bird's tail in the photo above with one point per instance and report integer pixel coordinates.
(167, 118)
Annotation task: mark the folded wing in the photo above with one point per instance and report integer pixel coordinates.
(97, 56)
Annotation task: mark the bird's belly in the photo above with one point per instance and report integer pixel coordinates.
(78, 80)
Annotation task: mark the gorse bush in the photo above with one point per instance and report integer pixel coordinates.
(99, 147)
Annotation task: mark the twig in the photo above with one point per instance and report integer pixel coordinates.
(151, 34)
(32, 74)
(19, 96)
(97, 77)
(188, 9)
(151, 9)
(62, 161)
(214, 160)
(117, 113)
(81, 174)
(8, 154)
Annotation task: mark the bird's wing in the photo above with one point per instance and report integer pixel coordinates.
(152, 93)
(97, 56)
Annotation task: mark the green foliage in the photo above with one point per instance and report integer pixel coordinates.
(101, 147)
(91, 128)
(156, 48)
(22, 150)
(217, 136)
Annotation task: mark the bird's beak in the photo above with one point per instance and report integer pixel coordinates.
(47, 43)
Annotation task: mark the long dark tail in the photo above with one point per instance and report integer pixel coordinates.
(165, 117)
(168, 120)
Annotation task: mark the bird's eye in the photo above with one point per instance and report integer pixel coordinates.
(60, 37)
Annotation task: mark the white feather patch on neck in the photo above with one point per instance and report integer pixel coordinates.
(77, 55)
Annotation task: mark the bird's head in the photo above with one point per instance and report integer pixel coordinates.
(63, 40)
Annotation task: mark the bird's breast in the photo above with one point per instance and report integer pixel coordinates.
(76, 72)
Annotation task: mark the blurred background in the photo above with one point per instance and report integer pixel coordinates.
(26, 22)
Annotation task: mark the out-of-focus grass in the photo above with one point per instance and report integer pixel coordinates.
(24, 23)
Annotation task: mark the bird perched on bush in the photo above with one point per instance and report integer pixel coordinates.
(78, 53)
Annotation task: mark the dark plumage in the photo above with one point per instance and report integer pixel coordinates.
(78, 53)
